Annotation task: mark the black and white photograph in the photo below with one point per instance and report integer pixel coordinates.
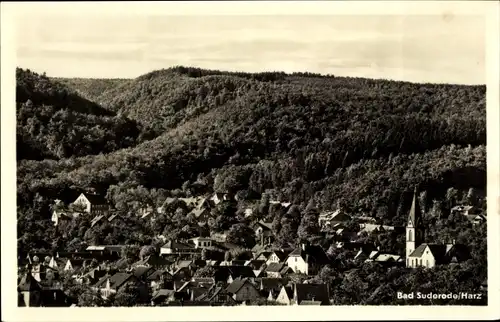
(246, 158)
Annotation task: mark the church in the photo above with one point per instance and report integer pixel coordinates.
(419, 253)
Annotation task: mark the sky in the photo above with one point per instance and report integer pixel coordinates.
(417, 48)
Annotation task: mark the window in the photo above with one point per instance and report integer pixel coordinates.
(420, 262)
(410, 235)
(427, 263)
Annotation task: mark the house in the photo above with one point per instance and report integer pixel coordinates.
(277, 270)
(255, 264)
(386, 259)
(109, 252)
(241, 290)
(263, 231)
(270, 287)
(153, 260)
(93, 276)
(277, 256)
(259, 248)
(72, 265)
(236, 272)
(304, 294)
(367, 251)
(476, 219)
(201, 215)
(190, 202)
(219, 197)
(32, 293)
(162, 296)
(92, 203)
(217, 296)
(227, 274)
(285, 296)
(264, 255)
(60, 216)
(142, 272)
(333, 217)
(218, 237)
(159, 279)
(465, 210)
(182, 273)
(375, 228)
(177, 248)
(204, 282)
(307, 259)
(108, 285)
(196, 292)
(191, 264)
(201, 242)
(204, 203)
(42, 272)
(427, 255)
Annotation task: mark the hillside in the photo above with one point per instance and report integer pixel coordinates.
(91, 88)
(54, 122)
(359, 144)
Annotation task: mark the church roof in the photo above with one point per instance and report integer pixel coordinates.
(443, 253)
(415, 213)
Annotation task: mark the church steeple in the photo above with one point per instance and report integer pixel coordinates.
(414, 231)
(414, 217)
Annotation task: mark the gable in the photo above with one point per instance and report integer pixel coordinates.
(82, 199)
(248, 289)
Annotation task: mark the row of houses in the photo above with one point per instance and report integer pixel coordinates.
(93, 203)
(336, 219)
(166, 280)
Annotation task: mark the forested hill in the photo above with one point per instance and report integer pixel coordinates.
(91, 88)
(54, 122)
(357, 143)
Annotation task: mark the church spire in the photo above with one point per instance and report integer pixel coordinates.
(415, 213)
